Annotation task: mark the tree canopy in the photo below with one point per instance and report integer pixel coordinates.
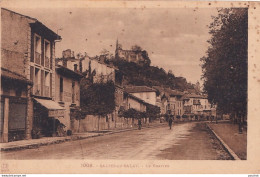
(97, 98)
(135, 74)
(225, 65)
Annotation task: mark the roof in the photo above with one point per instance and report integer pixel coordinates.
(174, 92)
(137, 89)
(49, 104)
(160, 89)
(195, 96)
(97, 59)
(67, 72)
(19, 14)
(5, 73)
(36, 23)
(136, 98)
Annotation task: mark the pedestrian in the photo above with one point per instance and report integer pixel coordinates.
(170, 122)
(139, 124)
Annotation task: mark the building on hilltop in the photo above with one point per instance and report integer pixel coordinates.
(137, 56)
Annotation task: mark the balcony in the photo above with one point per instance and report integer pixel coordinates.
(47, 62)
(37, 58)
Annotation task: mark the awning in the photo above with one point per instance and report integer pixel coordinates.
(54, 109)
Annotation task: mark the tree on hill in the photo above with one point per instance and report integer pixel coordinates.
(136, 48)
(225, 65)
(135, 74)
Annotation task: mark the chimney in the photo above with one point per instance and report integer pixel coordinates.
(64, 62)
(75, 67)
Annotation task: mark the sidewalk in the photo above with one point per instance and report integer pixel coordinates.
(228, 132)
(35, 143)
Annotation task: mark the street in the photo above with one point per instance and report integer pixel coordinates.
(186, 141)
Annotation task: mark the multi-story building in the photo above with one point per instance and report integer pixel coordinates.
(29, 51)
(162, 100)
(144, 93)
(197, 105)
(67, 94)
(98, 69)
(175, 102)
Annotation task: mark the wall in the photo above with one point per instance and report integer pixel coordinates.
(15, 42)
(133, 103)
(149, 97)
(67, 97)
(93, 123)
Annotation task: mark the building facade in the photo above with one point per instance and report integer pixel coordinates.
(144, 93)
(175, 102)
(98, 69)
(130, 55)
(67, 94)
(29, 50)
(198, 105)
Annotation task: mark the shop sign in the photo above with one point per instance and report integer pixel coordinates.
(56, 113)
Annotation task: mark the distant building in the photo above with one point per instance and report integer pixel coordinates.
(162, 100)
(175, 102)
(69, 61)
(197, 105)
(135, 103)
(101, 71)
(138, 57)
(144, 93)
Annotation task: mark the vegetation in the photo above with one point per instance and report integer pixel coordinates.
(225, 65)
(132, 113)
(97, 98)
(135, 74)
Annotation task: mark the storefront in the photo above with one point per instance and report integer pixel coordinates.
(14, 103)
(46, 118)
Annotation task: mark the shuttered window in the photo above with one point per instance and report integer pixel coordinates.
(17, 118)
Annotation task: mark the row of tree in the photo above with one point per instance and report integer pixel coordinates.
(225, 65)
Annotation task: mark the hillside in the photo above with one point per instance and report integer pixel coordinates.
(134, 74)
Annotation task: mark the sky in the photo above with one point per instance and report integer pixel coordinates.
(175, 38)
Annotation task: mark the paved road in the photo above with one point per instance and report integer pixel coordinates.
(184, 141)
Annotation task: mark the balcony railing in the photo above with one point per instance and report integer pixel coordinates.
(47, 62)
(37, 89)
(46, 91)
(37, 58)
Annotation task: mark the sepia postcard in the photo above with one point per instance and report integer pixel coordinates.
(130, 87)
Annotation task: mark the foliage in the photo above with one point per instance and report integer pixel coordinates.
(152, 111)
(136, 48)
(135, 74)
(97, 98)
(132, 113)
(77, 114)
(225, 66)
